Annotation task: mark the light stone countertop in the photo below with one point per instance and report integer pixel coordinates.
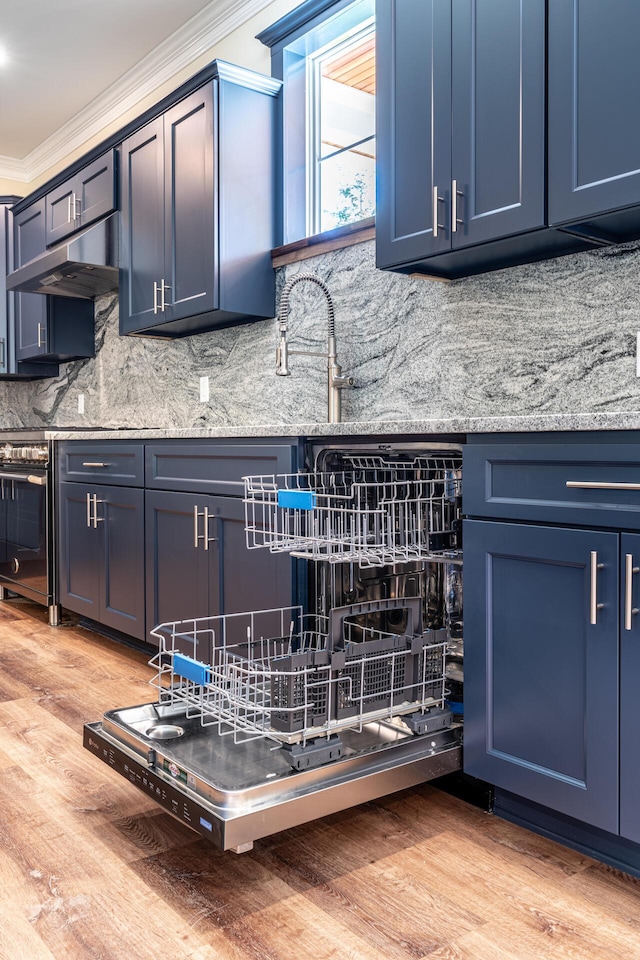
(455, 425)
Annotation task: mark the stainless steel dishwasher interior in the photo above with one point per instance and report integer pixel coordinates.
(236, 789)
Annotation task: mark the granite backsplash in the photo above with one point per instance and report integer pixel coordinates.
(553, 337)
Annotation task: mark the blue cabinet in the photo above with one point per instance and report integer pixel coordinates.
(594, 86)
(101, 540)
(552, 631)
(541, 665)
(198, 210)
(84, 198)
(46, 329)
(10, 368)
(629, 674)
(198, 564)
(460, 127)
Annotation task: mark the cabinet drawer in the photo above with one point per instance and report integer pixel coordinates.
(116, 463)
(595, 484)
(214, 467)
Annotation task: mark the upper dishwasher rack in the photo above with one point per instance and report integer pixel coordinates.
(372, 510)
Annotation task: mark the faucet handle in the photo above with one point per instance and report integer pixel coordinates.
(342, 382)
(282, 356)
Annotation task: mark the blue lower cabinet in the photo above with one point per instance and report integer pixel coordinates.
(629, 674)
(190, 577)
(541, 666)
(101, 535)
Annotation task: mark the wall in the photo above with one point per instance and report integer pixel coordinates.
(554, 337)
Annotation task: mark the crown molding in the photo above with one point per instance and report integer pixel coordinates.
(166, 61)
(12, 169)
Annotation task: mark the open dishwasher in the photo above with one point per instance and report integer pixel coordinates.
(267, 719)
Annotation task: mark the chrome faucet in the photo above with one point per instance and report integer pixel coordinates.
(336, 381)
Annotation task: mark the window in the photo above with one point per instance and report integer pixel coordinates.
(327, 66)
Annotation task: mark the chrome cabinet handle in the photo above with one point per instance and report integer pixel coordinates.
(629, 610)
(73, 213)
(600, 485)
(436, 200)
(163, 287)
(594, 606)
(90, 463)
(41, 338)
(455, 193)
(3, 356)
(88, 509)
(159, 291)
(96, 518)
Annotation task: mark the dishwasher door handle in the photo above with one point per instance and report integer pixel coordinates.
(600, 485)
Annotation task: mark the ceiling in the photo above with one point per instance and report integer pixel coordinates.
(73, 63)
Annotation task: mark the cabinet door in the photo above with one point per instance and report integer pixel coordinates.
(498, 109)
(30, 308)
(245, 579)
(178, 577)
(190, 271)
(594, 86)
(413, 124)
(28, 233)
(96, 189)
(31, 330)
(120, 518)
(62, 212)
(629, 673)
(79, 552)
(541, 680)
(142, 226)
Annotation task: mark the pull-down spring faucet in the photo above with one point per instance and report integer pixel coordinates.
(336, 381)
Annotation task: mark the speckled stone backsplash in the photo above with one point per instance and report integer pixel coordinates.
(553, 337)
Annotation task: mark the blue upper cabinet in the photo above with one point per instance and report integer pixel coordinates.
(199, 210)
(460, 125)
(413, 129)
(84, 198)
(498, 142)
(594, 86)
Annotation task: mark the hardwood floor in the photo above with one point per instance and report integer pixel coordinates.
(90, 868)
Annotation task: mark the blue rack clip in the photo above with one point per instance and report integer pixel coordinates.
(191, 669)
(297, 499)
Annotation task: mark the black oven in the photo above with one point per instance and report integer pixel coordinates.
(26, 518)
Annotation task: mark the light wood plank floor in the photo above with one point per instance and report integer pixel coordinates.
(90, 868)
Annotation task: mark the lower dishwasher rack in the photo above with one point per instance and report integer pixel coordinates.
(235, 793)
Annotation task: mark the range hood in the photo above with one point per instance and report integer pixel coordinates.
(84, 266)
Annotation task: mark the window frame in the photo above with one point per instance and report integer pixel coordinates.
(295, 41)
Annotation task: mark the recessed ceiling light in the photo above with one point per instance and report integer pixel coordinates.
(4, 56)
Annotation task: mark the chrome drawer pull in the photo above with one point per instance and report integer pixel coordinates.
(594, 605)
(629, 610)
(601, 485)
(89, 463)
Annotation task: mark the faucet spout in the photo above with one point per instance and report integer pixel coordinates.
(336, 382)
